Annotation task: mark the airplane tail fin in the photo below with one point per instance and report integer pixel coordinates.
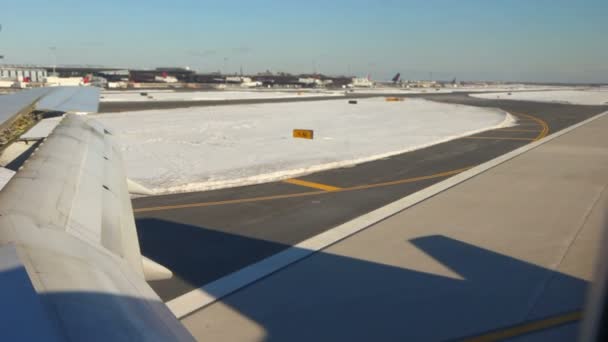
(396, 78)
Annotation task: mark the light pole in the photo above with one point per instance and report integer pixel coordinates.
(53, 50)
(1, 56)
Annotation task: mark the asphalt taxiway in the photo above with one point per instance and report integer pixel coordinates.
(204, 236)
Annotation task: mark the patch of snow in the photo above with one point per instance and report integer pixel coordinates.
(164, 95)
(203, 148)
(582, 97)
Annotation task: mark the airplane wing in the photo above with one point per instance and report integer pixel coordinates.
(64, 99)
(70, 263)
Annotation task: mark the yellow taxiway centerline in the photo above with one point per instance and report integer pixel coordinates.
(313, 185)
(299, 194)
(528, 327)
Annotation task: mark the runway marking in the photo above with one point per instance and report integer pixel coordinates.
(501, 138)
(408, 180)
(313, 185)
(545, 127)
(300, 194)
(528, 327)
(542, 134)
(235, 201)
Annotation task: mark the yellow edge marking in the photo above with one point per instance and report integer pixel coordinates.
(313, 185)
(527, 327)
(501, 138)
(300, 194)
(545, 127)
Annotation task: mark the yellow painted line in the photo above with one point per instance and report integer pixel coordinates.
(313, 185)
(544, 131)
(236, 201)
(527, 328)
(299, 194)
(501, 138)
(544, 126)
(408, 180)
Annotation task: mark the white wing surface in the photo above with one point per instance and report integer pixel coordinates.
(66, 222)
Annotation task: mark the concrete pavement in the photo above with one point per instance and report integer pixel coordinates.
(512, 245)
(205, 236)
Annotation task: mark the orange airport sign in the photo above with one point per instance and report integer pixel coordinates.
(303, 133)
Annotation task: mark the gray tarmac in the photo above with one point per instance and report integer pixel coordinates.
(113, 107)
(506, 254)
(204, 236)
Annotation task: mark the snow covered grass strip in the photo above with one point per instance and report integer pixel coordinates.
(205, 148)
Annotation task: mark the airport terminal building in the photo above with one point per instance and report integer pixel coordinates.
(20, 73)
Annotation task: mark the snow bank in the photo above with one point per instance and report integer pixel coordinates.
(205, 148)
(583, 97)
(164, 95)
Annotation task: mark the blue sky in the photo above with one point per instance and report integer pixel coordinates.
(528, 40)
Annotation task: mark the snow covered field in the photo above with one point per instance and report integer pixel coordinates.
(205, 148)
(224, 95)
(168, 95)
(583, 97)
(380, 91)
(497, 88)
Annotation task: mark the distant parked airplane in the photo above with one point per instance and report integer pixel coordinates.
(396, 78)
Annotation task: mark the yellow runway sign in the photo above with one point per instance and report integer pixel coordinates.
(303, 133)
(394, 99)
